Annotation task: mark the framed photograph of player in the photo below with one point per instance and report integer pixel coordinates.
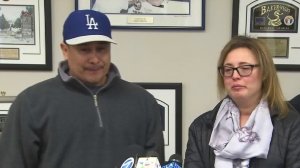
(25, 35)
(276, 22)
(150, 14)
(5, 103)
(169, 97)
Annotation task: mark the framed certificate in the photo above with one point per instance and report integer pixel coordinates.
(25, 35)
(274, 22)
(169, 97)
(151, 14)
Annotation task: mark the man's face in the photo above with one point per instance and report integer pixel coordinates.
(88, 62)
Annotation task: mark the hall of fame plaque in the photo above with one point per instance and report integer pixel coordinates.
(274, 22)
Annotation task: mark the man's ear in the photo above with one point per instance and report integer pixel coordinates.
(64, 48)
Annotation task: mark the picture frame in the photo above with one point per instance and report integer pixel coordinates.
(25, 35)
(150, 14)
(169, 97)
(5, 103)
(278, 30)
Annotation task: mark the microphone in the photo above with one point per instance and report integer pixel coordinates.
(175, 161)
(128, 156)
(128, 163)
(149, 161)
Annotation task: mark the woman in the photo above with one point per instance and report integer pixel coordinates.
(253, 126)
(295, 102)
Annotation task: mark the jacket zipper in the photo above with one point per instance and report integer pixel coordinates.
(98, 110)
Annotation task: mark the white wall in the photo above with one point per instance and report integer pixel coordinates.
(184, 56)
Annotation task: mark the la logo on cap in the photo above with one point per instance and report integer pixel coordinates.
(90, 22)
(83, 26)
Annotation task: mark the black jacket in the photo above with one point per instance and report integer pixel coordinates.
(295, 101)
(284, 148)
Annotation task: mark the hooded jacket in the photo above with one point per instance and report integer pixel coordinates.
(60, 123)
(284, 149)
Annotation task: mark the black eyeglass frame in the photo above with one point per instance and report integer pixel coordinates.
(221, 69)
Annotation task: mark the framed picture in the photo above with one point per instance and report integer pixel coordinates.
(169, 97)
(25, 35)
(160, 14)
(274, 22)
(5, 103)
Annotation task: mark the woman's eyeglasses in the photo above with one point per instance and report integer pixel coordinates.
(243, 70)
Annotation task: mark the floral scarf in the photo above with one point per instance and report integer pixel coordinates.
(234, 145)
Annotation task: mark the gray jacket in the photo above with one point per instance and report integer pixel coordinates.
(60, 123)
(284, 148)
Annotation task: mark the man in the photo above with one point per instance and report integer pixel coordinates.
(111, 6)
(86, 116)
(123, 6)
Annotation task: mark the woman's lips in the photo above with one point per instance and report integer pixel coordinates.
(235, 87)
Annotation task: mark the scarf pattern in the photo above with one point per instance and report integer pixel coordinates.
(233, 145)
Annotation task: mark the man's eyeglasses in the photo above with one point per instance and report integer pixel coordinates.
(243, 70)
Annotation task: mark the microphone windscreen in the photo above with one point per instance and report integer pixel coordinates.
(131, 151)
(149, 160)
(171, 165)
(175, 161)
(176, 158)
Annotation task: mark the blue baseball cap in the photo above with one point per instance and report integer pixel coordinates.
(84, 26)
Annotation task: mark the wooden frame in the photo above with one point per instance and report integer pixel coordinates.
(169, 97)
(165, 14)
(279, 28)
(25, 40)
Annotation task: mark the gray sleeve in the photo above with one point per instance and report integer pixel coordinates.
(18, 142)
